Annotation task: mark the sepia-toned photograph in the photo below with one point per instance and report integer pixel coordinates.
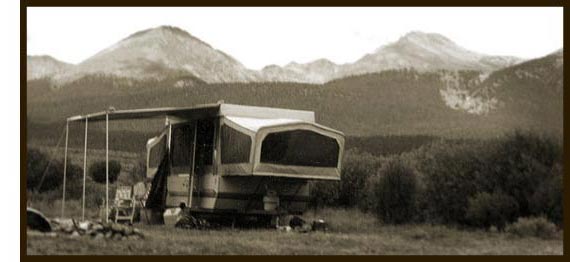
(293, 130)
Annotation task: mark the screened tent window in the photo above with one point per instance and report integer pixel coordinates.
(181, 145)
(156, 153)
(300, 148)
(204, 142)
(236, 146)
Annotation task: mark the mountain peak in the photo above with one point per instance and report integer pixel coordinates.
(423, 39)
(164, 30)
(322, 62)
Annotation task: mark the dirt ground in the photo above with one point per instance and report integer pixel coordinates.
(381, 240)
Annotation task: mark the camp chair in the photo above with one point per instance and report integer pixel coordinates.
(124, 204)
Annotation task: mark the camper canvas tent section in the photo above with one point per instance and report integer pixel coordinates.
(224, 157)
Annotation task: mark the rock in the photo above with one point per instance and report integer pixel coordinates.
(134, 237)
(99, 236)
(51, 234)
(98, 227)
(117, 228)
(85, 225)
(109, 234)
(129, 231)
(117, 237)
(75, 234)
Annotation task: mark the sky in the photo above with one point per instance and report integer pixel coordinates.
(260, 36)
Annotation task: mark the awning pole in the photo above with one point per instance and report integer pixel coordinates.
(64, 169)
(107, 167)
(84, 170)
(193, 165)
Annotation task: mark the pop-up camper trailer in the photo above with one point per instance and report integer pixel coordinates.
(225, 158)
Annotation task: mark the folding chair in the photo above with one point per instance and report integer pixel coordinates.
(124, 204)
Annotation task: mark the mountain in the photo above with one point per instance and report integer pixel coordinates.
(45, 66)
(319, 72)
(426, 52)
(160, 52)
(526, 96)
(530, 92)
(165, 51)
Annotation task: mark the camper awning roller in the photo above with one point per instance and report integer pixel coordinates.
(207, 110)
(199, 111)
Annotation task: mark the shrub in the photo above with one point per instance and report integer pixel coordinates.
(323, 193)
(97, 171)
(94, 192)
(396, 193)
(547, 200)
(37, 167)
(450, 174)
(518, 164)
(357, 168)
(533, 227)
(496, 209)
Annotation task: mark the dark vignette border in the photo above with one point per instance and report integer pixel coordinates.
(120, 3)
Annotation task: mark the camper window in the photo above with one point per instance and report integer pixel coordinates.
(235, 146)
(300, 148)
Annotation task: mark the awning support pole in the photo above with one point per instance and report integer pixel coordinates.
(84, 170)
(192, 171)
(107, 167)
(64, 169)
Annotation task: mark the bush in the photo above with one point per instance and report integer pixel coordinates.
(94, 192)
(357, 169)
(450, 174)
(323, 193)
(37, 167)
(547, 200)
(518, 165)
(396, 193)
(97, 171)
(533, 227)
(496, 209)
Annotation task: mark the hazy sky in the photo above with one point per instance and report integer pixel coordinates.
(262, 36)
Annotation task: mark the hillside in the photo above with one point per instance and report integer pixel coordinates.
(396, 102)
(45, 67)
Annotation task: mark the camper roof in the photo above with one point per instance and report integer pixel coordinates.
(200, 111)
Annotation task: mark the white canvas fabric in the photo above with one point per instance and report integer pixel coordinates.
(254, 124)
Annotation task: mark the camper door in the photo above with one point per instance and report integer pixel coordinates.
(191, 162)
(182, 137)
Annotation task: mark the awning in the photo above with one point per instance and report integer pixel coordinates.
(207, 110)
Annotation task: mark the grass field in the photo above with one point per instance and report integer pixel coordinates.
(351, 233)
